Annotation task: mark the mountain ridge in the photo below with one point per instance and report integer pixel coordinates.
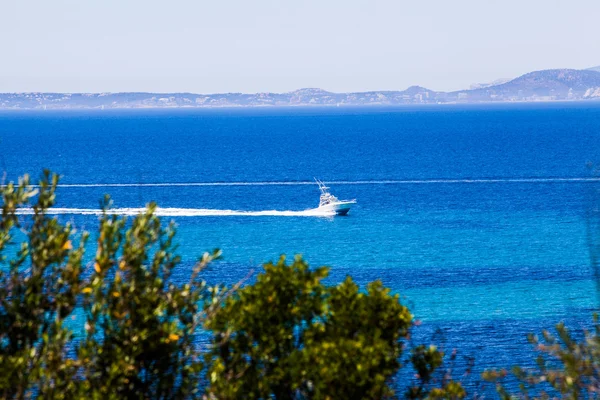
(543, 85)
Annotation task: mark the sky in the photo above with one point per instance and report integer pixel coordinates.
(278, 46)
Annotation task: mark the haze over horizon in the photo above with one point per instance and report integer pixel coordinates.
(268, 46)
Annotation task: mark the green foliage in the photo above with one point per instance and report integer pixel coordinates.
(353, 350)
(426, 360)
(139, 329)
(37, 293)
(140, 326)
(290, 336)
(566, 368)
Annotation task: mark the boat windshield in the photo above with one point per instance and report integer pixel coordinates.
(327, 198)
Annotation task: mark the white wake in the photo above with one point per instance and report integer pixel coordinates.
(187, 212)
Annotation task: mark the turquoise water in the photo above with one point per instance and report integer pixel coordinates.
(478, 216)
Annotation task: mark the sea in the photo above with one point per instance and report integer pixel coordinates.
(484, 218)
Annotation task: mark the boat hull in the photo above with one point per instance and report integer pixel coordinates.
(341, 208)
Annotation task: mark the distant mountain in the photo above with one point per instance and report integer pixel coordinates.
(547, 85)
(597, 69)
(301, 97)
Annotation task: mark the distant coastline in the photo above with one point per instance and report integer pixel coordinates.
(537, 86)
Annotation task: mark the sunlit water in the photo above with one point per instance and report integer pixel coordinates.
(478, 216)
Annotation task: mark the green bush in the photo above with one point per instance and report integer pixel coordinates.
(139, 326)
(565, 367)
(288, 335)
(38, 291)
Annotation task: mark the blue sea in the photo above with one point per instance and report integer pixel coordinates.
(478, 216)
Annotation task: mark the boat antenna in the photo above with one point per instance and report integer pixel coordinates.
(321, 185)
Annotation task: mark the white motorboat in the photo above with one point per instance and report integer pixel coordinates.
(328, 202)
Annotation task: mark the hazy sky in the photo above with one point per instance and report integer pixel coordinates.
(258, 45)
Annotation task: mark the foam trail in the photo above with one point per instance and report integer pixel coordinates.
(186, 212)
(373, 182)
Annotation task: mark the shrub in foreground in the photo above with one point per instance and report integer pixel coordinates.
(288, 335)
(565, 367)
(139, 325)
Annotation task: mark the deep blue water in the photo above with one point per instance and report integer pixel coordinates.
(476, 215)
